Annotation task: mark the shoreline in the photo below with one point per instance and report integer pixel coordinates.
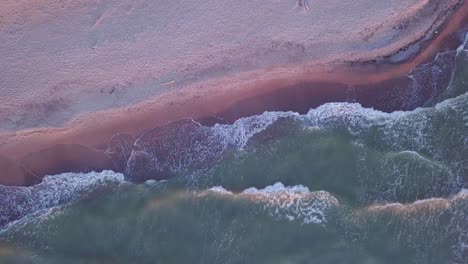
(44, 151)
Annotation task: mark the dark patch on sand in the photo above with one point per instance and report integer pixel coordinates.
(13, 174)
(66, 158)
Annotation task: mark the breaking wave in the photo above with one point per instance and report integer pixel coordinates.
(18, 202)
(290, 203)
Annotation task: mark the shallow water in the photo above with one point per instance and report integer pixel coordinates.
(340, 184)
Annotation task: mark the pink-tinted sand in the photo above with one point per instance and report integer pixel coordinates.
(72, 93)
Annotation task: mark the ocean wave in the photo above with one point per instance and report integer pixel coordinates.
(425, 226)
(17, 202)
(416, 153)
(293, 203)
(186, 144)
(220, 219)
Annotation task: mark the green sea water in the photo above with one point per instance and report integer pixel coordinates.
(340, 184)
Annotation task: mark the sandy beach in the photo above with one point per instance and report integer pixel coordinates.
(80, 73)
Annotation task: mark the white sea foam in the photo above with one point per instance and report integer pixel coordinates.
(289, 202)
(219, 189)
(16, 202)
(463, 192)
(277, 188)
(464, 45)
(242, 130)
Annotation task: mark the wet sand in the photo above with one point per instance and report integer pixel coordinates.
(371, 82)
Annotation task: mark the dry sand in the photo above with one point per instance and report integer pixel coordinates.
(76, 72)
